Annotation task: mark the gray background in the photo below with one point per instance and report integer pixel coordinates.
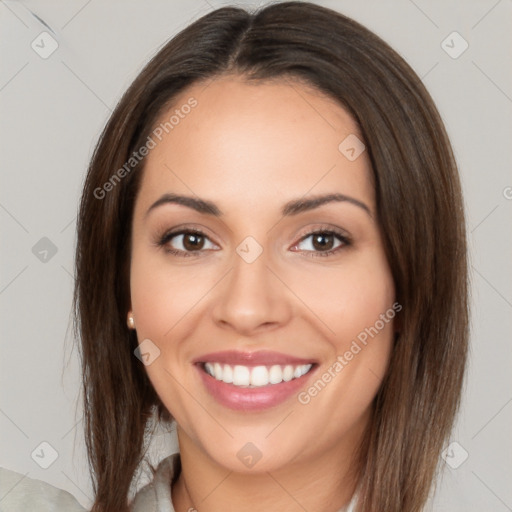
(52, 111)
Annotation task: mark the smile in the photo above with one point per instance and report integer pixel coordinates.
(255, 376)
(253, 381)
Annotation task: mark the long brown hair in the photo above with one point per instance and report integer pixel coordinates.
(421, 217)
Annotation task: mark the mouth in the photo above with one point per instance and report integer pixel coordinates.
(253, 381)
(255, 376)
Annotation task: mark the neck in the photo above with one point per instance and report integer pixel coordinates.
(324, 483)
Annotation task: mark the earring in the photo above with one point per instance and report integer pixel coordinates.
(131, 322)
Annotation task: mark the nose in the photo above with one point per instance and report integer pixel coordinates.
(252, 299)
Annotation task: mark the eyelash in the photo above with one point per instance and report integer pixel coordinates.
(164, 239)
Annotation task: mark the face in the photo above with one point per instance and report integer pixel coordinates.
(267, 316)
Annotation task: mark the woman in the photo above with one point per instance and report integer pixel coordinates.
(271, 253)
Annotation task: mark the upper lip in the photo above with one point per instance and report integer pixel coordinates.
(261, 357)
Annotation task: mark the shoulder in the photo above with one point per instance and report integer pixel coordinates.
(156, 495)
(19, 493)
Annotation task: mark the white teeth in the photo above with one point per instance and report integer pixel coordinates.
(288, 373)
(217, 371)
(275, 375)
(259, 376)
(255, 376)
(227, 374)
(302, 370)
(241, 376)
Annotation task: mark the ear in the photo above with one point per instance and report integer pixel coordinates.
(130, 321)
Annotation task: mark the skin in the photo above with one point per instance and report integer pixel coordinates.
(250, 148)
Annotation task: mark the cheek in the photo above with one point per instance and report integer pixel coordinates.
(163, 298)
(355, 305)
(350, 299)
(359, 308)
(162, 295)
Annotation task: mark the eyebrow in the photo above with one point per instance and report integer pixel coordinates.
(292, 207)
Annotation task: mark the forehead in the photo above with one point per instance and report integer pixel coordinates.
(254, 142)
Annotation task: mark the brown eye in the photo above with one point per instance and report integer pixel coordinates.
(184, 243)
(193, 241)
(322, 243)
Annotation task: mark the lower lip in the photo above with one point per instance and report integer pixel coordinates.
(252, 399)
